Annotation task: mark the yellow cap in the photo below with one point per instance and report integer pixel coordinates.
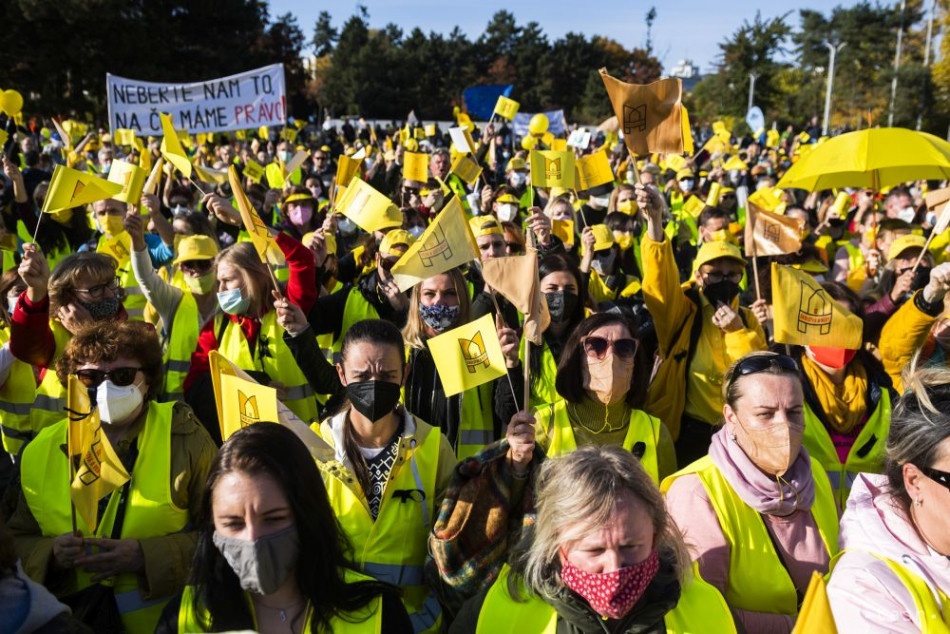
(517, 164)
(293, 198)
(901, 244)
(718, 249)
(685, 173)
(485, 226)
(507, 198)
(603, 237)
(395, 238)
(197, 247)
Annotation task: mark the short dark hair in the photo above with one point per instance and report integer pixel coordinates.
(570, 367)
(712, 213)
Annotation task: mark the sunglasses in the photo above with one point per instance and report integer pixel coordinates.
(761, 363)
(596, 347)
(196, 266)
(122, 377)
(940, 477)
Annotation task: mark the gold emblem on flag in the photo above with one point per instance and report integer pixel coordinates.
(435, 245)
(92, 464)
(814, 311)
(78, 189)
(634, 118)
(248, 408)
(772, 233)
(473, 350)
(552, 169)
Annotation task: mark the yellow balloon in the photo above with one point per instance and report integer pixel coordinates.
(411, 145)
(538, 124)
(529, 142)
(547, 138)
(12, 102)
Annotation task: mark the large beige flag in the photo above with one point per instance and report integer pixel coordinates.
(768, 233)
(651, 116)
(516, 277)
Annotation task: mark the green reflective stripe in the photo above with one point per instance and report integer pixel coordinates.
(132, 600)
(431, 611)
(476, 436)
(396, 574)
(49, 403)
(15, 408)
(17, 434)
(177, 366)
(298, 392)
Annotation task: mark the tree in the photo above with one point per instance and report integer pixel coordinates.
(324, 35)
(284, 42)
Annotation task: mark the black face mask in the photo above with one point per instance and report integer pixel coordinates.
(721, 292)
(561, 305)
(836, 223)
(373, 399)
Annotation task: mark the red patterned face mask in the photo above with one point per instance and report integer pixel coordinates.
(612, 594)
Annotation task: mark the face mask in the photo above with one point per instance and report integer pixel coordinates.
(373, 399)
(507, 212)
(178, 210)
(836, 223)
(346, 226)
(834, 358)
(624, 241)
(612, 594)
(11, 304)
(439, 317)
(627, 206)
(263, 565)
(687, 184)
(506, 155)
(300, 216)
(105, 167)
(561, 305)
(599, 202)
(416, 231)
(63, 216)
(517, 179)
(113, 225)
(232, 302)
(772, 449)
(603, 264)
(722, 235)
(734, 175)
(285, 156)
(907, 214)
(721, 292)
(117, 404)
(609, 378)
(102, 309)
(201, 285)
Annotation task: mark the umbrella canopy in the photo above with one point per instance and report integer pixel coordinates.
(872, 158)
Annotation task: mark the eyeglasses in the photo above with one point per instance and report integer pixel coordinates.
(714, 277)
(199, 267)
(96, 292)
(940, 477)
(762, 362)
(120, 376)
(596, 347)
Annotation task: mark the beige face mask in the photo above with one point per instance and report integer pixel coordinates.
(773, 449)
(609, 378)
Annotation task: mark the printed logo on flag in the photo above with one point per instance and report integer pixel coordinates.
(772, 233)
(248, 408)
(634, 118)
(552, 169)
(78, 189)
(473, 350)
(434, 246)
(92, 461)
(814, 310)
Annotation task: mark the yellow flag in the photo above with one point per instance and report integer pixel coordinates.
(131, 178)
(124, 136)
(151, 185)
(769, 199)
(210, 175)
(466, 168)
(70, 188)
(295, 162)
(431, 130)
(240, 135)
(288, 134)
(772, 138)
(415, 167)
(735, 163)
(263, 133)
(650, 115)
(368, 208)
(244, 403)
(559, 145)
(346, 169)
(687, 131)
(506, 108)
(275, 175)
(552, 169)
(172, 150)
(694, 206)
(563, 229)
(593, 170)
(516, 277)
(99, 471)
(468, 356)
(768, 233)
(255, 227)
(815, 614)
(805, 314)
(254, 170)
(446, 243)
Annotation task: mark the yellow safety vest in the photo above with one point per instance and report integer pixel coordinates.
(542, 384)
(182, 339)
(356, 309)
(150, 511)
(49, 401)
(643, 430)
(700, 608)
(866, 455)
(120, 249)
(16, 401)
(368, 620)
(758, 582)
(933, 618)
(856, 272)
(273, 357)
(601, 293)
(393, 548)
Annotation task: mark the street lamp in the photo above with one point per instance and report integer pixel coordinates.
(752, 78)
(833, 52)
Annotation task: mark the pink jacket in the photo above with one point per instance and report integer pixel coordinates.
(865, 594)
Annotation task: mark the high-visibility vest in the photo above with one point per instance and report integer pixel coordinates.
(367, 620)
(867, 452)
(182, 339)
(356, 309)
(273, 357)
(932, 617)
(149, 512)
(700, 608)
(643, 434)
(856, 272)
(542, 383)
(393, 548)
(120, 249)
(758, 581)
(49, 401)
(16, 401)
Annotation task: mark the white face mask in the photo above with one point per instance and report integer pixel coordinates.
(686, 184)
(117, 404)
(599, 202)
(517, 179)
(907, 214)
(346, 226)
(11, 304)
(507, 212)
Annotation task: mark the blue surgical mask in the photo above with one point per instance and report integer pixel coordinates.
(517, 179)
(233, 302)
(416, 231)
(346, 226)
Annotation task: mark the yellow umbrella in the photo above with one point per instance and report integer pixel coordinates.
(871, 158)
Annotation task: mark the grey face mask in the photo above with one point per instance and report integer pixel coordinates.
(263, 565)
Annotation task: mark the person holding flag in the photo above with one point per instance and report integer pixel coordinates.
(138, 538)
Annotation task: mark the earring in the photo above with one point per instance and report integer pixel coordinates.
(918, 502)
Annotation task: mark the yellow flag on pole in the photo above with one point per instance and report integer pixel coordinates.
(415, 167)
(294, 164)
(131, 178)
(99, 471)
(446, 243)
(368, 208)
(650, 115)
(768, 233)
(288, 134)
(70, 188)
(172, 150)
(255, 227)
(275, 175)
(804, 314)
(244, 403)
(593, 170)
(210, 175)
(346, 169)
(563, 229)
(254, 170)
(815, 614)
(468, 356)
(552, 169)
(506, 108)
(124, 137)
(516, 277)
(466, 168)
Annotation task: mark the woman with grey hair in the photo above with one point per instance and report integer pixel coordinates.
(894, 575)
(604, 555)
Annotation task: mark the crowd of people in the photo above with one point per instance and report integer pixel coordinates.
(657, 463)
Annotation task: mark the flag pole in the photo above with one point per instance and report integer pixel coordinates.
(923, 251)
(502, 318)
(532, 242)
(37, 230)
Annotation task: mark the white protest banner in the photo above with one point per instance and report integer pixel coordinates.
(247, 100)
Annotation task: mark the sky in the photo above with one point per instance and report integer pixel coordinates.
(683, 29)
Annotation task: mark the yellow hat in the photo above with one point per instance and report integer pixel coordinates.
(718, 249)
(507, 198)
(197, 247)
(293, 198)
(516, 164)
(603, 237)
(395, 238)
(485, 226)
(685, 173)
(901, 244)
(811, 266)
